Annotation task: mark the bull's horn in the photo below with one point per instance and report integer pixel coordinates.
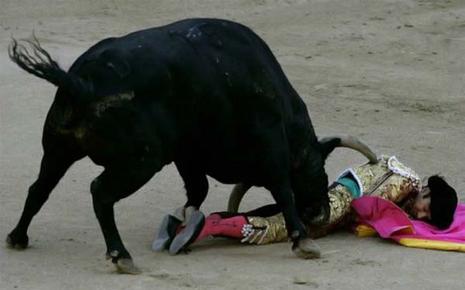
(329, 143)
(236, 196)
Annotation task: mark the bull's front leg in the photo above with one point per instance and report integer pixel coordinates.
(113, 184)
(195, 183)
(303, 246)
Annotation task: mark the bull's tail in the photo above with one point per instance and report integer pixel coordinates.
(31, 57)
(328, 144)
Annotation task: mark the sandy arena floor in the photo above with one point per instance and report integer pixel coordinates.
(389, 71)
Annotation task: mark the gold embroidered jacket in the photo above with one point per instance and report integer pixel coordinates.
(389, 179)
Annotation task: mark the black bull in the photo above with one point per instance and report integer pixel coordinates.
(207, 94)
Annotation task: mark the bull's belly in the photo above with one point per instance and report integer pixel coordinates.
(234, 167)
(227, 172)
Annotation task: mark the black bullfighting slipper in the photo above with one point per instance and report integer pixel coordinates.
(188, 235)
(166, 233)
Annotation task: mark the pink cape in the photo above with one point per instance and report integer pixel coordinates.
(391, 222)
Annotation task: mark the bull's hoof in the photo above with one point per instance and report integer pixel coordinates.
(19, 242)
(306, 249)
(126, 266)
(123, 262)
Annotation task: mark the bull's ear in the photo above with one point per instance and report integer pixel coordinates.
(115, 60)
(328, 144)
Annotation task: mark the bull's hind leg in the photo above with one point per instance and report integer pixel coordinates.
(55, 163)
(115, 183)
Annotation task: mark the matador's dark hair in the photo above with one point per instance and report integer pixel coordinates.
(443, 202)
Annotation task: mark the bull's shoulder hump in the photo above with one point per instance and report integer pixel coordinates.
(186, 27)
(198, 27)
(187, 23)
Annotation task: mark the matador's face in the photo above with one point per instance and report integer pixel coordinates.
(421, 207)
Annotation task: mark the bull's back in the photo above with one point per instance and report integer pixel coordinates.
(211, 54)
(214, 82)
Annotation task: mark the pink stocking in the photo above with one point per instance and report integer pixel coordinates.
(229, 227)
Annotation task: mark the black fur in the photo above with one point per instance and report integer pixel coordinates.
(206, 94)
